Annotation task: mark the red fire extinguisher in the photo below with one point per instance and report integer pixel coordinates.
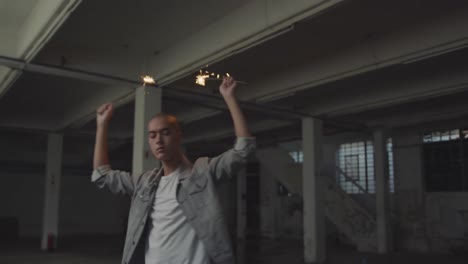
(50, 242)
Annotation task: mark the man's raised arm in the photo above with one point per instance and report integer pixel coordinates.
(227, 90)
(227, 164)
(103, 175)
(103, 115)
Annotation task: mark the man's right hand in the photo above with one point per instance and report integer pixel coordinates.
(104, 114)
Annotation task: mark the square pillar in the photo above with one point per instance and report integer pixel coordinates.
(148, 102)
(313, 192)
(52, 192)
(384, 235)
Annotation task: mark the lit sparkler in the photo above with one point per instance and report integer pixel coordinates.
(148, 79)
(220, 79)
(201, 79)
(206, 76)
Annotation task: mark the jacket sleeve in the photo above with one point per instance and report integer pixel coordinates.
(117, 181)
(228, 163)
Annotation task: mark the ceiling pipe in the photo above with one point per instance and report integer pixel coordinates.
(207, 100)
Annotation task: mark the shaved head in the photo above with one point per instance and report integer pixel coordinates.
(165, 137)
(171, 120)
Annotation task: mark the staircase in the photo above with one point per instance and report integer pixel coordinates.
(351, 218)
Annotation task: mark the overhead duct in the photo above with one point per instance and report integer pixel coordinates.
(206, 100)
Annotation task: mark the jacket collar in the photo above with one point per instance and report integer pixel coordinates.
(185, 171)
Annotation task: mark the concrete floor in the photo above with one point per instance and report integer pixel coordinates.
(87, 250)
(291, 252)
(106, 250)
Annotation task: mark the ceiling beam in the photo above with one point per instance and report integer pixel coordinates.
(409, 44)
(79, 116)
(405, 46)
(247, 26)
(258, 127)
(45, 18)
(418, 41)
(388, 92)
(206, 100)
(243, 28)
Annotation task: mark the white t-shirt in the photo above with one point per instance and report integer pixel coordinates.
(171, 239)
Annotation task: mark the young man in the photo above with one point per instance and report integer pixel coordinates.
(175, 216)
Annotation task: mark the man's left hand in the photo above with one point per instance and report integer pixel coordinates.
(228, 87)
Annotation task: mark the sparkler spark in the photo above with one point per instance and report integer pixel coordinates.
(201, 79)
(148, 79)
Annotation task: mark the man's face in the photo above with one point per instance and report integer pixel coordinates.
(164, 139)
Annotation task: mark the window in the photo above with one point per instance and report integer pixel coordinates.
(352, 166)
(297, 156)
(438, 136)
(356, 160)
(445, 160)
(391, 175)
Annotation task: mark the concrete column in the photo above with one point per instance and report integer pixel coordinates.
(148, 102)
(384, 236)
(314, 217)
(410, 198)
(52, 191)
(268, 200)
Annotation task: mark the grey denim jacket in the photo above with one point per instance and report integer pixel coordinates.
(196, 195)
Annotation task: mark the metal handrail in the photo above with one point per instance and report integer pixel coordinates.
(364, 190)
